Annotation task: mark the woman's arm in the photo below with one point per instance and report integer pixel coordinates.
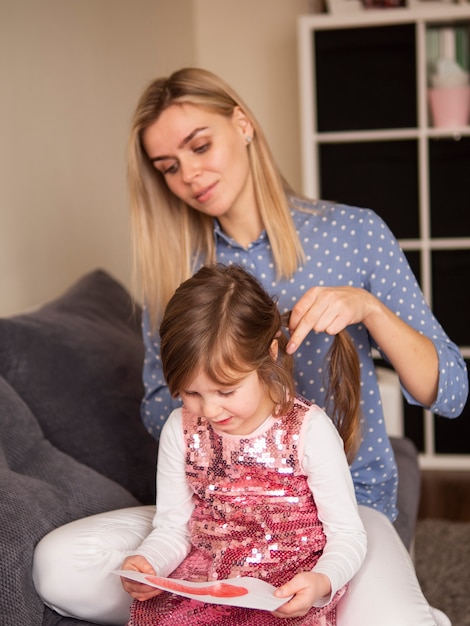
(331, 309)
(408, 351)
(383, 295)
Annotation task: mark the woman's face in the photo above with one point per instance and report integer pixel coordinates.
(203, 157)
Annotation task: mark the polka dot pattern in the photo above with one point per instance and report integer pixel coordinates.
(343, 246)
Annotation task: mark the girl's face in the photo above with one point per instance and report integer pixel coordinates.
(237, 409)
(203, 157)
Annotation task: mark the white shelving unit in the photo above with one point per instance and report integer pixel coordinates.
(315, 138)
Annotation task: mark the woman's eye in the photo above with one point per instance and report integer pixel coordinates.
(171, 169)
(202, 148)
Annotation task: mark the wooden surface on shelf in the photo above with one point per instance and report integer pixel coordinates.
(445, 494)
(430, 11)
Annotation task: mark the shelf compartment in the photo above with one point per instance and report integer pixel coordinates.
(414, 259)
(449, 166)
(382, 175)
(366, 78)
(450, 272)
(453, 436)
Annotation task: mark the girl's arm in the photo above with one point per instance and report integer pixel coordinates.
(329, 478)
(168, 544)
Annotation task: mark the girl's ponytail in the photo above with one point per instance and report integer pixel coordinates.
(344, 391)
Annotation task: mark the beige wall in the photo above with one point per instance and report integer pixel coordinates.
(256, 52)
(70, 74)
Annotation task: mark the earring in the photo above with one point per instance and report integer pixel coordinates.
(248, 140)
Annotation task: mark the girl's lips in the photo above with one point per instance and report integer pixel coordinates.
(222, 422)
(205, 194)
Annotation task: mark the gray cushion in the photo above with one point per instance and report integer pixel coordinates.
(71, 439)
(409, 487)
(40, 488)
(76, 363)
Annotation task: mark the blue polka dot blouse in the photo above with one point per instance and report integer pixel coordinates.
(343, 246)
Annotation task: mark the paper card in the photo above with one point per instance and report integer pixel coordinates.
(245, 591)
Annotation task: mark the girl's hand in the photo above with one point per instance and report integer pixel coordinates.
(329, 310)
(307, 587)
(139, 591)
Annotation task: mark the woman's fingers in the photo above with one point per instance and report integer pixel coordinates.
(324, 309)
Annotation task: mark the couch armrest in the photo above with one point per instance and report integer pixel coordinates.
(409, 485)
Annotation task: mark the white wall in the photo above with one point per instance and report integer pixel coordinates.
(70, 75)
(252, 45)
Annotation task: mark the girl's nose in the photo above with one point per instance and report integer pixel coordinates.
(210, 409)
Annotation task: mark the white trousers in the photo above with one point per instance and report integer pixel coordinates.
(72, 565)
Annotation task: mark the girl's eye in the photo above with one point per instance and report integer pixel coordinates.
(227, 393)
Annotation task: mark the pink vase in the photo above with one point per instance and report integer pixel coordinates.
(450, 106)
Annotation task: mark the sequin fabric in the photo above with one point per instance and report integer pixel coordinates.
(254, 516)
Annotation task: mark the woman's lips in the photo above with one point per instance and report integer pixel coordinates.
(205, 194)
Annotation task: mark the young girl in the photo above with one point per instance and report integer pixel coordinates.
(252, 478)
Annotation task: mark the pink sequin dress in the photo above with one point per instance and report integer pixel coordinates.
(254, 516)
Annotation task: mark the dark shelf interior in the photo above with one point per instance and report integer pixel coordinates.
(449, 171)
(452, 436)
(380, 175)
(450, 285)
(366, 78)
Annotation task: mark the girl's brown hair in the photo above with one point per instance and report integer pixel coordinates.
(223, 322)
(169, 237)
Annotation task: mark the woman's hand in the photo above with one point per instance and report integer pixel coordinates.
(139, 591)
(331, 309)
(307, 588)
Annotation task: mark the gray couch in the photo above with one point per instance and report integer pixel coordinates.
(71, 440)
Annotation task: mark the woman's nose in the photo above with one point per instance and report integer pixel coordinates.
(189, 169)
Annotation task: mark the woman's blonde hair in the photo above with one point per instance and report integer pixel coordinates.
(169, 237)
(222, 322)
